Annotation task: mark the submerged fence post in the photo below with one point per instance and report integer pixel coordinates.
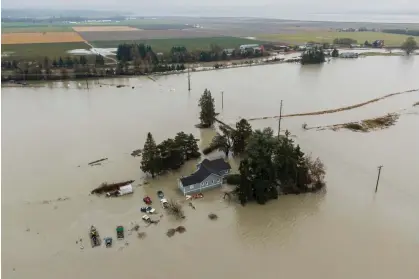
(189, 79)
(378, 178)
(222, 100)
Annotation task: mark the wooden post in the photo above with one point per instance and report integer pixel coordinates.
(279, 120)
(378, 178)
(222, 100)
(189, 79)
(87, 83)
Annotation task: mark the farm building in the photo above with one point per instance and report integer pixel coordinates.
(209, 175)
(378, 43)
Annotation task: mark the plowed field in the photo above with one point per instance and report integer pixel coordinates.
(36, 38)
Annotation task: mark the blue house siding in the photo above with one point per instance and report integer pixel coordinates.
(211, 182)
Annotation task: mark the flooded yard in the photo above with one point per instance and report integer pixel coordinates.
(51, 133)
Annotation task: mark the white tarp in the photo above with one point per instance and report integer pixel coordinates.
(125, 190)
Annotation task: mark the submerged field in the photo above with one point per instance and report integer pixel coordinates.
(50, 134)
(328, 37)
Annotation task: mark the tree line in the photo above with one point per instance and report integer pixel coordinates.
(180, 54)
(169, 155)
(270, 165)
(344, 41)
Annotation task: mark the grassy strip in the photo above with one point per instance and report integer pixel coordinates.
(164, 45)
(36, 51)
(328, 37)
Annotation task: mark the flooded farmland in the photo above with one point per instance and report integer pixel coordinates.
(51, 133)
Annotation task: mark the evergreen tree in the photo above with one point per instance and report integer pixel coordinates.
(60, 62)
(223, 142)
(83, 60)
(207, 115)
(335, 53)
(273, 163)
(313, 56)
(240, 135)
(192, 149)
(151, 161)
(68, 62)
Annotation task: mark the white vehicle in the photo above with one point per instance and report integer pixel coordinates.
(146, 218)
(164, 203)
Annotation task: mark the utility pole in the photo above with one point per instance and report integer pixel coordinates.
(378, 178)
(279, 120)
(87, 83)
(222, 100)
(189, 79)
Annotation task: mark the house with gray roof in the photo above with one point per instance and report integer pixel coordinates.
(208, 175)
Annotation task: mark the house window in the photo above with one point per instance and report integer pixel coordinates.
(218, 180)
(206, 183)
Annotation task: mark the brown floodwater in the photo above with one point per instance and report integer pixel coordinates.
(51, 133)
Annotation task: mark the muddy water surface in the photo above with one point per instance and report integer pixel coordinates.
(50, 134)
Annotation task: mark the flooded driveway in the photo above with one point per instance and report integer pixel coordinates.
(50, 134)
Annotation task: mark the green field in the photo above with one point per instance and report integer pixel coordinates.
(328, 37)
(37, 51)
(165, 45)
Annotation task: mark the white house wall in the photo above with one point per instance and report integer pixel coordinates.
(212, 181)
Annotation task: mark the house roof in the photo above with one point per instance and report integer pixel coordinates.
(216, 165)
(205, 169)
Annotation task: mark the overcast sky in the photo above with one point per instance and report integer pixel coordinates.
(166, 6)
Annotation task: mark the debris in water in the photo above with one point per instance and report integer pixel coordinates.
(366, 125)
(339, 109)
(133, 87)
(136, 153)
(180, 229)
(28, 229)
(171, 232)
(416, 104)
(141, 235)
(213, 216)
(97, 161)
(191, 205)
(175, 209)
(105, 187)
(136, 228)
(120, 85)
